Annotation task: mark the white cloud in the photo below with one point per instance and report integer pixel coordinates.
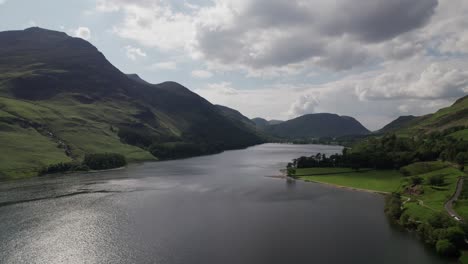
(83, 32)
(374, 98)
(166, 65)
(385, 58)
(202, 74)
(152, 24)
(305, 104)
(134, 53)
(437, 80)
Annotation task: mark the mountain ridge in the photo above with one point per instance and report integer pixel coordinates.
(318, 125)
(60, 93)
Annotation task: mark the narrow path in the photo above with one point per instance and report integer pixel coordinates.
(449, 204)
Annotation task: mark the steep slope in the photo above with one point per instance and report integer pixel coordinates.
(453, 116)
(60, 98)
(399, 123)
(236, 116)
(318, 125)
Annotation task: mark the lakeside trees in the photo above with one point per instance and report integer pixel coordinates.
(392, 152)
(101, 161)
(104, 161)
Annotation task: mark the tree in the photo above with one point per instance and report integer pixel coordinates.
(456, 236)
(440, 220)
(461, 159)
(437, 180)
(427, 233)
(445, 248)
(291, 172)
(393, 206)
(104, 161)
(416, 180)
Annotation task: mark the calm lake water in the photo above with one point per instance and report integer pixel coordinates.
(213, 209)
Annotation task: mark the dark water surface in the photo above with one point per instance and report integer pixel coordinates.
(212, 209)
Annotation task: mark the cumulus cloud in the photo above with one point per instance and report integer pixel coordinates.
(273, 33)
(165, 65)
(436, 81)
(83, 32)
(152, 24)
(305, 104)
(202, 74)
(377, 59)
(134, 53)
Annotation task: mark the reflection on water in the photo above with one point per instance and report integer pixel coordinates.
(214, 209)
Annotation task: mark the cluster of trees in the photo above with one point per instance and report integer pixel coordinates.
(63, 167)
(104, 161)
(441, 232)
(91, 162)
(320, 160)
(174, 150)
(434, 180)
(392, 152)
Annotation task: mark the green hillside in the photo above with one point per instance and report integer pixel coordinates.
(61, 99)
(399, 123)
(455, 115)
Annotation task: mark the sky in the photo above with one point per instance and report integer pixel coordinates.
(374, 60)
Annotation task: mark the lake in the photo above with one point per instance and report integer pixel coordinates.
(222, 208)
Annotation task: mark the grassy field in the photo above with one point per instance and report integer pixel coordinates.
(85, 128)
(433, 198)
(419, 207)
(424, 167)
(24, 151)
(381, 181)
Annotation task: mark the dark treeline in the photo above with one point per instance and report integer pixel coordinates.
(440, 232)
(392, 152)
(63, 167)
(102, 161)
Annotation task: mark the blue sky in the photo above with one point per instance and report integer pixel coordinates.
(278, 59)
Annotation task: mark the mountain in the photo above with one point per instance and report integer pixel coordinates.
(236, 116)
(275, 122)
(260, 122)
(399, 123)
(60, 99)
(318, 125)
(454, 117)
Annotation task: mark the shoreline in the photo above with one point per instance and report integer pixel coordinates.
(337, 186)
